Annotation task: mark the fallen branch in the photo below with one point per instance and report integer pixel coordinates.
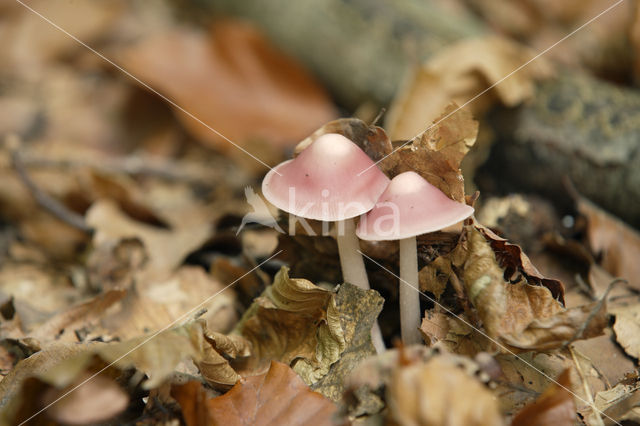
(45, 200)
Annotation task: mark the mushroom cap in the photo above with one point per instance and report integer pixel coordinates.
(410, 206)
(322, 182)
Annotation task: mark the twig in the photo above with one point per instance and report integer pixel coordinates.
(45, 200)
(378, 117)
(133, 165)
(587, 389)
(580, 332)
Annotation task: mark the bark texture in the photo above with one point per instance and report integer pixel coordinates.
(576, 127)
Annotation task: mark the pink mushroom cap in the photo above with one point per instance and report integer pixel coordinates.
(410, 206)
(324, 182)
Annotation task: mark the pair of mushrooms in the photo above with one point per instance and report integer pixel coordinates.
(333, 180)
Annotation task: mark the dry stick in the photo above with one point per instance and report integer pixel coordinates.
(580, 331)
(132, 165)
(587, 388)
(45, 200)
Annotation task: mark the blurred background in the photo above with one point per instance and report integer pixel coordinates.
(129, 131)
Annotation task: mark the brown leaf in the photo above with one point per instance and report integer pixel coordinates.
(293, 320)
(35, 43)
(435, 276)
(513, 260)
(358, 310)
(438, 392)
(36, 365)
(233, 80)
(521, 315)
(96, 401)
(627, 328)
(85, 315)
(555, 406)
(457, 74)
(622, 402)
(617, 242)
(278, 396)
(154, 303)
(166, 248)
(216, 349)
(437, 153)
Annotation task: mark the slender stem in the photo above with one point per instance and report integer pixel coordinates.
(410, 315)
(353, 270)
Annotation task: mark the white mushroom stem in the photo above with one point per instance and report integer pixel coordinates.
(353, 270)
(409, 292)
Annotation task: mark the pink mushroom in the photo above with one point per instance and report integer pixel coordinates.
(323, 183)
(410, 206)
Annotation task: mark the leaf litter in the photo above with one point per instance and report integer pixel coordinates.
(161, 198)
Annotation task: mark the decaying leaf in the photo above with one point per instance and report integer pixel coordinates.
(397, 368)
(96, 401)
(233, 80)
(278, 396)
(36, 365)
(514, 261)
(293, 320)
(435, 276)
(167, 249)
(64, 325)
(438, 392)
(614, 240)
(357, 310)
(520, 314)
(457, 74)
(554, 406)
(622, 402)
(627, 328)
(437, 153)
(62, 364)
(154, 303)
(42, 43)
(442, 330)
(216, 349)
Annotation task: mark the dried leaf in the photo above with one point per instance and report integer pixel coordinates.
(457, 74)
(278, 396)
(438, 392)
(62, 326)
(37, 364)
(521, 315)
(437, 153)
(514, 261)
(617, 242)
(153, 303)
(358, 310)
(293, 320)
(233, 80)
(216, 349)
(627, 328)
(555, 406)
(34, 43)
(166, 249)
(622, 402)
(435, 276)
(96, 401)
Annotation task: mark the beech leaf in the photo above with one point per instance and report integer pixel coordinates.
(278, 396)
